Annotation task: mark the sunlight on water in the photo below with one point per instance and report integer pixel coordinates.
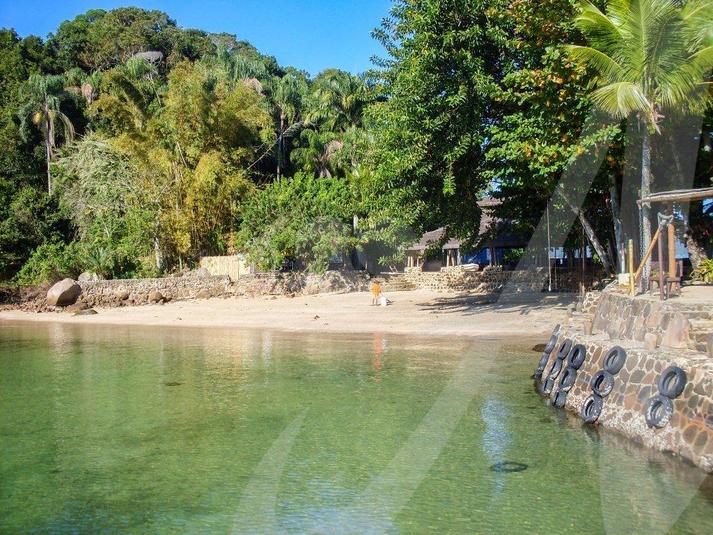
(165, 431)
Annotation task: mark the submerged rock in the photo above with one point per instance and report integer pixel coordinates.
(64, 293)
(86, 312)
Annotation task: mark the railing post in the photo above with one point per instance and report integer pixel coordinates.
(632, 288)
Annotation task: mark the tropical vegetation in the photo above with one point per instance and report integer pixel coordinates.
(132, 146)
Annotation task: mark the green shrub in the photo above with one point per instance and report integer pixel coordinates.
(304, 219)
(50, 262)
(704, 272)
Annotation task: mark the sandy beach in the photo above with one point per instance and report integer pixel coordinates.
(419, 312)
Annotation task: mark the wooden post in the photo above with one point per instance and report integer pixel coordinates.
(672, 251)
(632, 288)
(650, 250)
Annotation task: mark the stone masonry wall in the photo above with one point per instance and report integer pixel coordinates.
(689, 433)
(278, 283)
(120, 292)
(480, 282)
(673, 323)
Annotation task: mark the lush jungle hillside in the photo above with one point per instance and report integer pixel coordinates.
(132, 146)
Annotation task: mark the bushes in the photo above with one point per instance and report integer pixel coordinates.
(51, 261)
(303, 219)
(704, 271)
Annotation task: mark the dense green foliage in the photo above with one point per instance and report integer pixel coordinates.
(132, 146)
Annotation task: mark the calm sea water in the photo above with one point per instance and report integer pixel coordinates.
(209, 431)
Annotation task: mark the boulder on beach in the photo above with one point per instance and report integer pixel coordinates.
(64, 293)
(155, 296)
(88, 276)
(203, 294)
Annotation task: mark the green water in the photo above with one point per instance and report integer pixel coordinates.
(208, 431)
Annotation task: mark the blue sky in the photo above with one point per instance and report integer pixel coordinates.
(307, 34)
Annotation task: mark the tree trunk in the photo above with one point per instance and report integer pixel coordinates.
(280, 146)
(696, 252)
(618, 230)
(591, 236)
(598, 247)
(48, 149)
(645, 220)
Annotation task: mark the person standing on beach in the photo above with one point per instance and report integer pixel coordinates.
(375, 293)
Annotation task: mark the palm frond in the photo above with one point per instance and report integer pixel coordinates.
(621, 99)
(606, 66)
(599, 29)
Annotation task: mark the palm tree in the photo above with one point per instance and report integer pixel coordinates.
(338, 100)
(317, 153)
(43, 108)
(287, 94)
(651, 57)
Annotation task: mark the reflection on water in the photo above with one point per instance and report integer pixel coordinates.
(197, 430)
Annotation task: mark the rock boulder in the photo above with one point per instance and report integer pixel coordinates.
(155, 297)
(64, 293)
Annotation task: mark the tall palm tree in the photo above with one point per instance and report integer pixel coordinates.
(651, 57)
(44, 97)
(338, 100)
(317, 152)
(287, 94)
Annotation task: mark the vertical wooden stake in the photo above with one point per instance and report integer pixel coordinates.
(672, 251)
(632, 290)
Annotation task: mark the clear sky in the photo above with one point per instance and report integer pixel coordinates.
(307, 34)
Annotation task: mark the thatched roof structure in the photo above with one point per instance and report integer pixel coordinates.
(489, 224)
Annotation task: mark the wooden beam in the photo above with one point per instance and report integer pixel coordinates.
(696, 194)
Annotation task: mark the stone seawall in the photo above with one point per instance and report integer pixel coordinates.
(120, 292)
(477, 282)
(486, 281)
(278, 283)
(123, 292)
(688, 432)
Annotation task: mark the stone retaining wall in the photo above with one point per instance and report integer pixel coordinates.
(478, 282)
(689, 433)
(120, 292)
(622, 317)
(278, 283)
(487, 281)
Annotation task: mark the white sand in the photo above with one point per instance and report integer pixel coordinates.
(419, 312)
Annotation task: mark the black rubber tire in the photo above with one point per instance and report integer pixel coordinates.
(560, 399)
(615, 360)
(658, 412)
(564, 349)
(568, 379)
(672, 382)
(555, 369)
(602, 383)
(591, 409)
(544, 359)
(576, 356)
(548, 386)
(551, 343)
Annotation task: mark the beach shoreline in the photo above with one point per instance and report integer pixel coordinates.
(417, 312)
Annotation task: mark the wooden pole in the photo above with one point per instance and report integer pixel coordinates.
(672, 251)
(650, 250)
(632, 288)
